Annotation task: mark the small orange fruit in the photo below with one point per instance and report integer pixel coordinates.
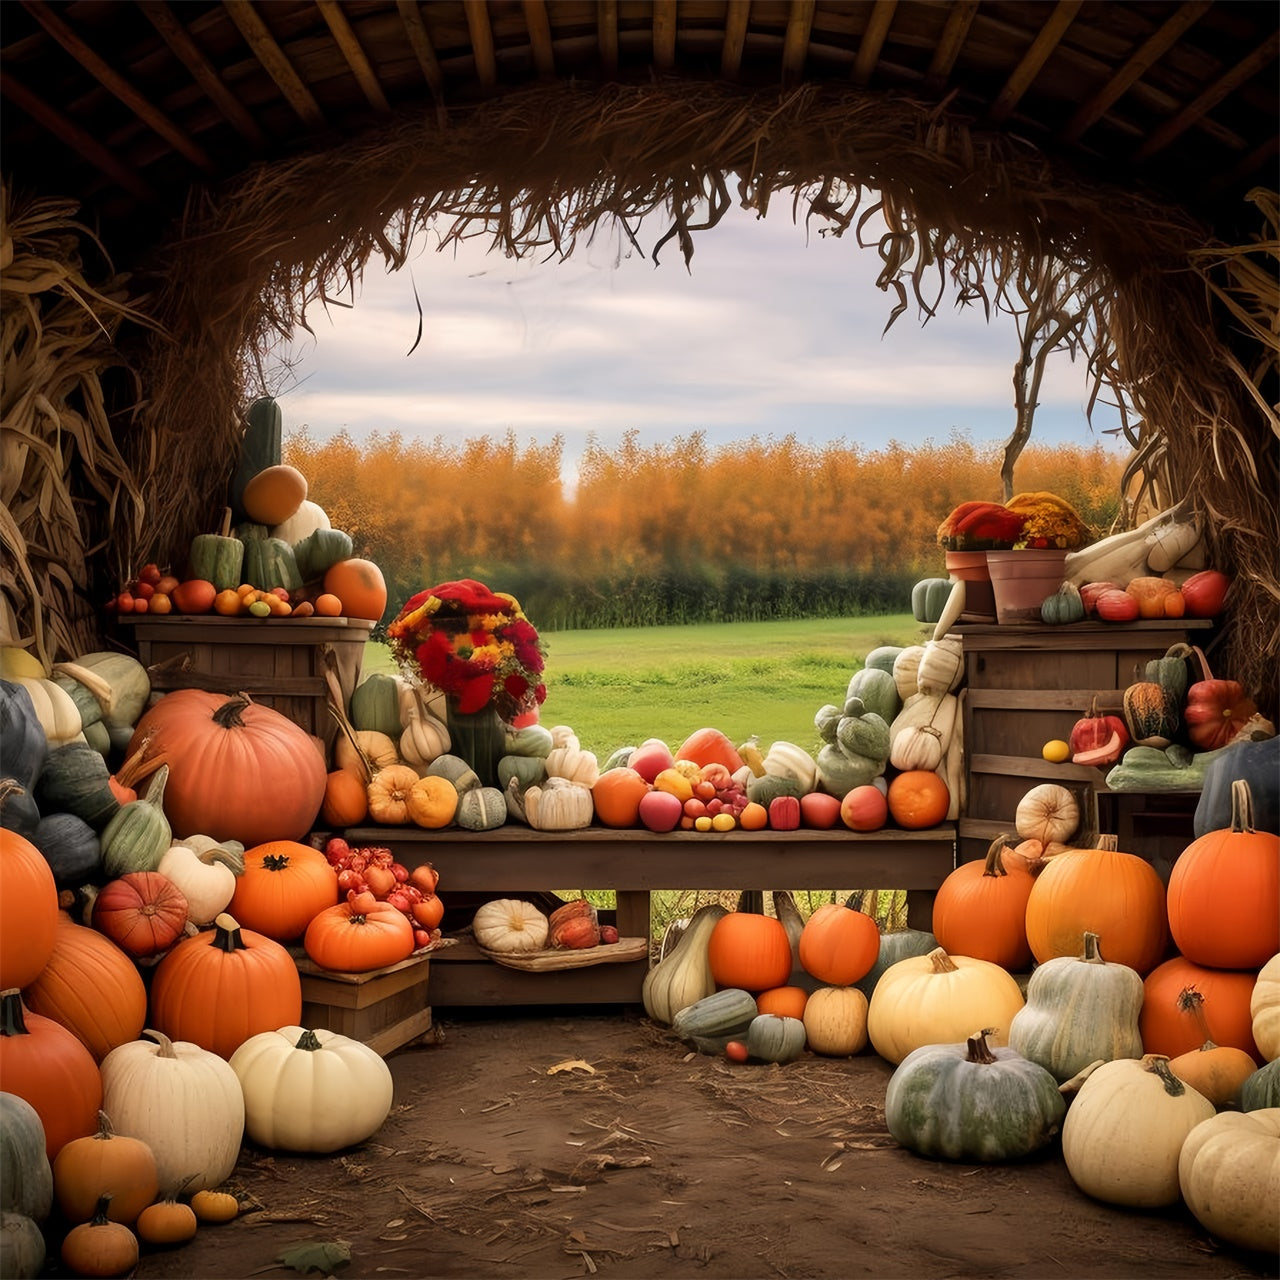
(227, 603)
(195, 595)
(328, 605)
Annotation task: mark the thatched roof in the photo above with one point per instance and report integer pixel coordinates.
(1089, 161)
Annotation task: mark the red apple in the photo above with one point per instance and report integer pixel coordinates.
(661, 811)
(864, 809)
(650, 758)
(818, 809)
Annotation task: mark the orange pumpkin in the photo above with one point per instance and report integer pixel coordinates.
(1116, 895)
(237, 770)
(284, 885)
(360, 586)
(1224, 892)
(1215, 1070)
(142, 912)
(710, 746)
(1215, 712)
(980, 909)
(617, 794)
(346, 803)
(918, 798)
(90, 987)
(750, 951)
(785, 1002)
(274, 494)
(105, 1164)
(839, 945)
(28, 910)
(223, 986)
(1171, 1030)
(351, 941)
(44, 1064)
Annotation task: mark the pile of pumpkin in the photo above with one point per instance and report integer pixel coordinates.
(1159, 1068)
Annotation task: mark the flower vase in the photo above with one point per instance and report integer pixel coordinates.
(479, 738)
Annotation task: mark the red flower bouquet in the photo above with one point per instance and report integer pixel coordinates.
(474, 645)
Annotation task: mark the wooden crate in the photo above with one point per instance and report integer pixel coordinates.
(278, 662)
(384, 1008)
(1025, 686)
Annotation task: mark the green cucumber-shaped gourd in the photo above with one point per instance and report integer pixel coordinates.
(320, 550)
(270, 563)
(218, 557)
(375, 704)
(139, 835)
(716, 1019)
(259, 449)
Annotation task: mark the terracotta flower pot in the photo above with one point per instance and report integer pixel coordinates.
(1022, 580)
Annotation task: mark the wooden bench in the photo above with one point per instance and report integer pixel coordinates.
(512, 860)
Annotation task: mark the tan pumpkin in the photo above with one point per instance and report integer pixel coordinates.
(558, 805)
(369, 750)
(1229, 1175)
(388, 793)
(921, 732)
(1050, 813)
(570, 762)
(941, 668)
(835, 1021)
(432, 801)
(1264, 1009)
(510, 925)
(906, 671)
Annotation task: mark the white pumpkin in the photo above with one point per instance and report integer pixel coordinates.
(786, 760)
(906, 669)
(941, 666)
(1264, 1009)
(510, 925)
(1229, 1175)
(1049, 812)
(559, 805)
(1125, 1129)
(183, 1101)
(570, 762)
(311, 1090)
(309, 517)
(425, 738)
(55, 709)
(206, 876)
(921, 732)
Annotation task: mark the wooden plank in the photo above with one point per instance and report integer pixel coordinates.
(795, 46)
(423, 49)
(349, 46)
(872, 42)
(664, 34)
(459, 983)
(399, 1035)
(539, 25)
(960, 16)
(1035, 768)
(275, 62)
(1044, 699)
(1042, 47)
(607, 35)
(736, 19)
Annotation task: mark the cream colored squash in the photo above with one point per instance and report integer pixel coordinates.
(835, 1021)
(311, 1090)
(558, 805)
(510, 925)
(563, 736)
(683, 976)
(921, 732)
(207, 879)
(183, 1101)
(1125, 1129)
(376, 748)
(1264, 1008)
(573, 764)
(1169, 543)
(1229, 1175)
(309, 517)
(931, 999)
(425, 739)
(941, 667)
(1049, 812)
(118, 681)
(786, 760)
(55, 709)
(906, 669)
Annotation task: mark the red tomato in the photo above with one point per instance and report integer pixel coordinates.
(736, 1051)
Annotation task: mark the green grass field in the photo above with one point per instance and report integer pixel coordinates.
(616, 688)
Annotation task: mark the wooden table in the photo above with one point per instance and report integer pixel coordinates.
(515, 859)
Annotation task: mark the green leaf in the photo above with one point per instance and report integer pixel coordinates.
(328, 1257)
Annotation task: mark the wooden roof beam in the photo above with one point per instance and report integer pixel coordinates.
(736, 20)
(664, 34)
(873, 38)
(1019, 81)
(1158, 43)
(119, 87)
(203, 72)
(607, 35)
(795, 47)
(960, 18)
(73, 136)
(1195, 110)
(535, 17)
(274, 61)
(423, 49)
(349, 45)
(482, 42)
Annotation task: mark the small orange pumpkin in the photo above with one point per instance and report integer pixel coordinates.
(388, 793)
(785, 1002)
(360, 586)
(283, 885)
(981, 908)
(346, 801)
(617, 794)
(750, 951)
(838, 945)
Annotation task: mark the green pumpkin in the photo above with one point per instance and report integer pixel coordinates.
(75, 779)
(22, 1247)
(481, 809)
(773, 1038)
(456, 770)
(710, 1023)
(929, 597)
(861, 732)
(1062, 608)
(270, 563)
(972, 1102)
(531, 740)
(217, 557)
(320, 550)
(529, 771)
(770, 786)
(139, 834)
(878, 692)
(894, 946)
(71, 848)
(375, 705)
(1172, 671)
(1079, 1009)
(26, 1177)
(839, 773)
(882, 658)
(1262, 1088)
(1151, 714)
(617, 759)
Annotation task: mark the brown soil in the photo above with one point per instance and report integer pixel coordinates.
(551, 1145)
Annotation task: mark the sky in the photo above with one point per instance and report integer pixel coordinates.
(772, 331)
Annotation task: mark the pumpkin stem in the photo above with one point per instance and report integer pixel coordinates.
(1241, 808)
(228, 716)
(275, 862)
(309, 1040)
(994, 865)
(1092, 954)
(12, 1022)
(941, 961)
(104, 1126)
(165, 1049)
(1191, 1001)
(226, 936)
(1158, 1064)
(100, 1218)
(979, 1049)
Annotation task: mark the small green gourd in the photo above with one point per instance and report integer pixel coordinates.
(710, 1023)
(774, 1038)
(682, 977)
(139, 835)
(218, 557)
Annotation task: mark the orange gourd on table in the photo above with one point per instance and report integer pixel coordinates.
(346, 802)
(283, 886)
(750, 951)
(1168, 1029)
(918, 798)
(616, 794)
(90, 987)
(1224, 892)
(360, 586)
(1116, 895)
(838, 945)
(353, 941)
(28, 910)
(223, 986)
(237, 770)
(980, 909)
(710, 746)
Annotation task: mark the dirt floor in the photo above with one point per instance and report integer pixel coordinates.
(543, 1145)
